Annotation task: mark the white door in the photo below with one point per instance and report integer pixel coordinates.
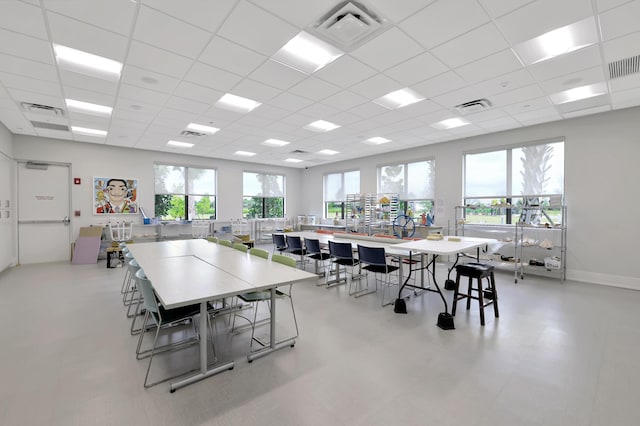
(44, 234)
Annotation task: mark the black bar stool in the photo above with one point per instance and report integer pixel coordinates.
(478, 271)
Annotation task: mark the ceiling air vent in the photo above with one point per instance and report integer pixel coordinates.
(299, 152)
(42, 109)
(49, 126)
(348, 24)
(624, 67)
(191, 133)
(474, 106)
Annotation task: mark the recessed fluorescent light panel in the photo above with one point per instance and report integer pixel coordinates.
(558, 42)
(306, 53)
(450, 123)
(245, 153)
(275, 142)
(377, 140)
(87, 108)
(293, 160)
(201, 128)
(328, 152)
(399, 98)
(87, 63)
(578, 93)
(237, 103)
(321, 126)
(178, 144)
(88, 132)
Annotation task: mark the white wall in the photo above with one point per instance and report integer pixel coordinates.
(7, 192)
(89, 160)
(601, 178)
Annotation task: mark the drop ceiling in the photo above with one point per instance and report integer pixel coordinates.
(181, 57)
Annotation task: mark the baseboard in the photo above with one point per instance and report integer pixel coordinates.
(631, 283)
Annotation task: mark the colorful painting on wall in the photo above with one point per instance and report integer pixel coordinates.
(115, 195)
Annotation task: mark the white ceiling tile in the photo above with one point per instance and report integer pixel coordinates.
(54, 134)
(85, 37)
(319, 110)
(197, 93)
(254, 90)
(376, 86)
(588, 103)
(387, 42)
(536, 18)
(486, 115)
(15, 81)
(148, 79)
(231, 56)
(207, 15)
(444, 20)
(291, 11)
(345, 71)
(506, 82)
(440, 84)
(314, 88)
(417, 69)
(588, 57)
(344, 117)
(368, 110)
(628, 82)
(74, 80)
(268, 32)
(344, 100)
(23, 18)
(270, 112)
(471, 46)
(89, 96)
(577, 79)
(88, 121)
(277, 75)
(626, 99)
(587, 111)
(622, 47)
(212, 77)
(36, 98)
(397, 11)
(27, 68)
(420, 108)
(518, 95)
(158, 60)
(621, 20)
(143, 95)
(16, 122)
(497, 8)
(490, 67)
(608, 4)
(538, 116)
(27, 47)
(183, 104)
(455, 97)
(527, 106)
(500, 124)
(114, 15)
(176, 36)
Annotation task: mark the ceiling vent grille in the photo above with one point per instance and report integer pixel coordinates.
(477, 105)
(624, 67)
(348, 24)
(49, 126)
(299, 152)
(42, 109)
(191, 133)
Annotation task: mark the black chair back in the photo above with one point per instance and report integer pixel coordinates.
(279, 241)
(312, 246)
(372, 255)
(293, 243)
(340, 250)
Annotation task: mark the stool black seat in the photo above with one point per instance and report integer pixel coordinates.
(478, 271)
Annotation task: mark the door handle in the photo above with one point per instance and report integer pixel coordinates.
(66, 220)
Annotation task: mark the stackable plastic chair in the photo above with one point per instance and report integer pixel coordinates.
(294, 246)
(342, 257)
(315, 252)
(374, 259)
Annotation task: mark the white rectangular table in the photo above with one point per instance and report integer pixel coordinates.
(187, 272)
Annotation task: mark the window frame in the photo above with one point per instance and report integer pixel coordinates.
(404, 200)
(341, 204)
(264, 201)
(188, 195)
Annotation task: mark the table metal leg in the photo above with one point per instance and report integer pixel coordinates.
(274, 345)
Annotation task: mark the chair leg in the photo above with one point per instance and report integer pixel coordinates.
(455, 295)
(492, 280)
(469, 287)
(481, 301)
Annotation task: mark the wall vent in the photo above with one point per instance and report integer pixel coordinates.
(50, 126)
(624, 67)
(191, 133)
(474, 106)
(348, 24)
(42, 109)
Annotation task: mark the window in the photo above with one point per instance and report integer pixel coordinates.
(263, 195)
(336, 188)
(498, 183)
(413, 182)
(184, 192)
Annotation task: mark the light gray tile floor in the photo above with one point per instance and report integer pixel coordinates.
(560, 354)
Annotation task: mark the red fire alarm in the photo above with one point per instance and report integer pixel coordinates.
(76, 181)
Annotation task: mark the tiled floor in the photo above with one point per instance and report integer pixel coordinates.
(560, 354)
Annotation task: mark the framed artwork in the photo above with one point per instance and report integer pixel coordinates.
(115, 195)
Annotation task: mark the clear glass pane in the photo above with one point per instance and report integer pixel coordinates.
(485, 174)
(169, 179)
(333, 190)
(252, 207)
(202, 207)
(352, 182)
(169, 207)
(202, 181)
(333, 210)
(420, 180)
(391, 179)
(486, 211)
(274, 207)
(538, 169)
